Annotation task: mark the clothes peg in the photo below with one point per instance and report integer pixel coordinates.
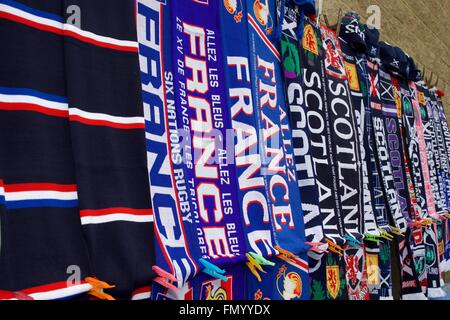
(285, 252)
(98, 288)
(316, 246)
(165, 279)
(385, 235)
(253, 265)
(261, 260)
(213, 270)
(334, 247)
(425, 222)
(396, 231)
(371, 237)
(353, 241)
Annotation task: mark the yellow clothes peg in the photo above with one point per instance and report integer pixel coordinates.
(252, 264)
(98, 287)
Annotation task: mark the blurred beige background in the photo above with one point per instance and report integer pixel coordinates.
(420, 27)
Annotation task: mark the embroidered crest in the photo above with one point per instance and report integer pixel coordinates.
(333, 280)
(291, 284)
(309, 40)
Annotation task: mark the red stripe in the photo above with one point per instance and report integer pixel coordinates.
(49, 287)
(141, 290)
(99, 43)
(14, 106)
(264, 37)
(40, 187)
(6, 295)
(105, 123)
(107, 211)
(68, 33)
(30, 23)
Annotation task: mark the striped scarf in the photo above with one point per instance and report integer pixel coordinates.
(303, 123)
(288, 279)
(410, 286)
(312, 56)
(73, 177)
(385, 288)
(347, 162)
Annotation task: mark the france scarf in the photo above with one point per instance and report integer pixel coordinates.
(275, 141)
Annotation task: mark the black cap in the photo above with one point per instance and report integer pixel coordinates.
(389, 59)
(414, 73)
(372, 36)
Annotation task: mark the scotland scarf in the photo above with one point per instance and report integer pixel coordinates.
(446, 138)
(430, 239)
(256, 212)
(434, 166)
(312, 55)
(348, 165)
(414, 162)
(380, 207)
(275, 141)
(299, 115)
(353, 48)
(391, 105)
(429, 136)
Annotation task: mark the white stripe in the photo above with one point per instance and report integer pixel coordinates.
(141, 296)
(66, 26)
(2, 191)
(35, 195)
(88, 34)
(116, 217)
(9, 98)
(105, 117)
(61, 293)
(31, 17)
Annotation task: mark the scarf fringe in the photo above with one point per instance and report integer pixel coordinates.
(387, 298)
(414, 296)
(436, 293)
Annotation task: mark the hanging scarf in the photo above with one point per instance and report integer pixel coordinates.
(254, 203)
(348, 163)
(416, 172)
(175, 253)
(380, 287)
(380, 207)
(203, 115)
(431, 233)
(353, 47)
(434, 167)
(428, 205)
(313, 87)
(275, 143)
(446, 137)
(429, 136)
(300, 116)
(391, 105)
